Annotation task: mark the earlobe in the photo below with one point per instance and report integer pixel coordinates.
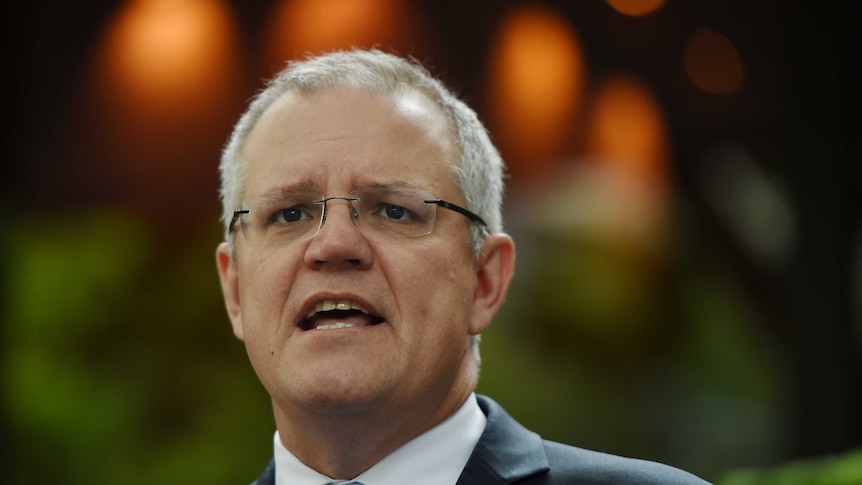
(494, 273)
(230, 287)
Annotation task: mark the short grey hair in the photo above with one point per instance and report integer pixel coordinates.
(478, 174)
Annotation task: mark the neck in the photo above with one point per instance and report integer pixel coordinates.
(343, 445)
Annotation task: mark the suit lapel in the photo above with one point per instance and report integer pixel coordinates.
(506, 452)
(268, 476)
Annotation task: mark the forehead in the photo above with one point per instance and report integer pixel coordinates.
(341, 138)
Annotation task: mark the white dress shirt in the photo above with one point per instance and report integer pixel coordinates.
(436, 457)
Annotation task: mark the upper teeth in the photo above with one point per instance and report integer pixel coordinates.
(328, 305)
(335, 326)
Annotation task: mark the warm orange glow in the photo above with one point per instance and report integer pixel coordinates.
(636, 8)
(712, 63)
(299, 27)
(169, 53)
(535, 86)
(626, 129)
(162, 94)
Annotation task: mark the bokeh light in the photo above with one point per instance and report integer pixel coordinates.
(300, 27)
(636, 8)
(169, 54)
(713, 63)
(535, 86)
(156, 107)
(625, 127)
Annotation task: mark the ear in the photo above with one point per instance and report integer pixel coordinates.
(494, 271)
(230, 287)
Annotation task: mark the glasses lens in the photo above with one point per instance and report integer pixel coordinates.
(277, 220)
(297, 216)
(396, 212)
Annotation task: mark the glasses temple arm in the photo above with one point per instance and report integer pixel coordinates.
(457, 208)
(235, 218)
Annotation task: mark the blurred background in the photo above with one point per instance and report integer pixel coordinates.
(684, 192)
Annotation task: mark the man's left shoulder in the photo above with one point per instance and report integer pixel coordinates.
(570, 464)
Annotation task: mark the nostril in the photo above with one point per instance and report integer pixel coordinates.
(354, 262)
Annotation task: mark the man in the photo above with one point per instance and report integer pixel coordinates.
(364, 256)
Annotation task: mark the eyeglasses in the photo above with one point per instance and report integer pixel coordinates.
(397, 212)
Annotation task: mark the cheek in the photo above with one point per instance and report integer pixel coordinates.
(435, 286)
(264, 286)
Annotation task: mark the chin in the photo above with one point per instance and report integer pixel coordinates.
(338, 397)
(338, 404)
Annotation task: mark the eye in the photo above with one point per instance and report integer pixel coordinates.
(395, 213)
(290, 215)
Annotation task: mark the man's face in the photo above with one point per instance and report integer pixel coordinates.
(419, 292)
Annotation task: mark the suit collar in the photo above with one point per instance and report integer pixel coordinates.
(506, 452)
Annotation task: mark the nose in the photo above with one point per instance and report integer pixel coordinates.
(338, 243)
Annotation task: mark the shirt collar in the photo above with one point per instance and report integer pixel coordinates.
(435, 457)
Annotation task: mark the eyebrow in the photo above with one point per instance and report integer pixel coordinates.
(398, 184)
(280, 191)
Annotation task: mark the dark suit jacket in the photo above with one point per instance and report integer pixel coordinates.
(508, 453)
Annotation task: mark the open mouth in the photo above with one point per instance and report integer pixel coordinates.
(338, 314)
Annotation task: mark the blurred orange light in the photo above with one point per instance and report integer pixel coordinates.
(163, 91)
(169, 53)
(636, 8)
(535, 86)
(299, 27)
(712, 62)
(626, 129)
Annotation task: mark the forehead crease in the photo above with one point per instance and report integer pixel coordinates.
(413, 136)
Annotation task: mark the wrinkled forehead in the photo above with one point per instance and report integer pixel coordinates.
(412, 104)
(316, 135)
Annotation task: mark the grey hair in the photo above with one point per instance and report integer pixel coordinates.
(478, 174)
